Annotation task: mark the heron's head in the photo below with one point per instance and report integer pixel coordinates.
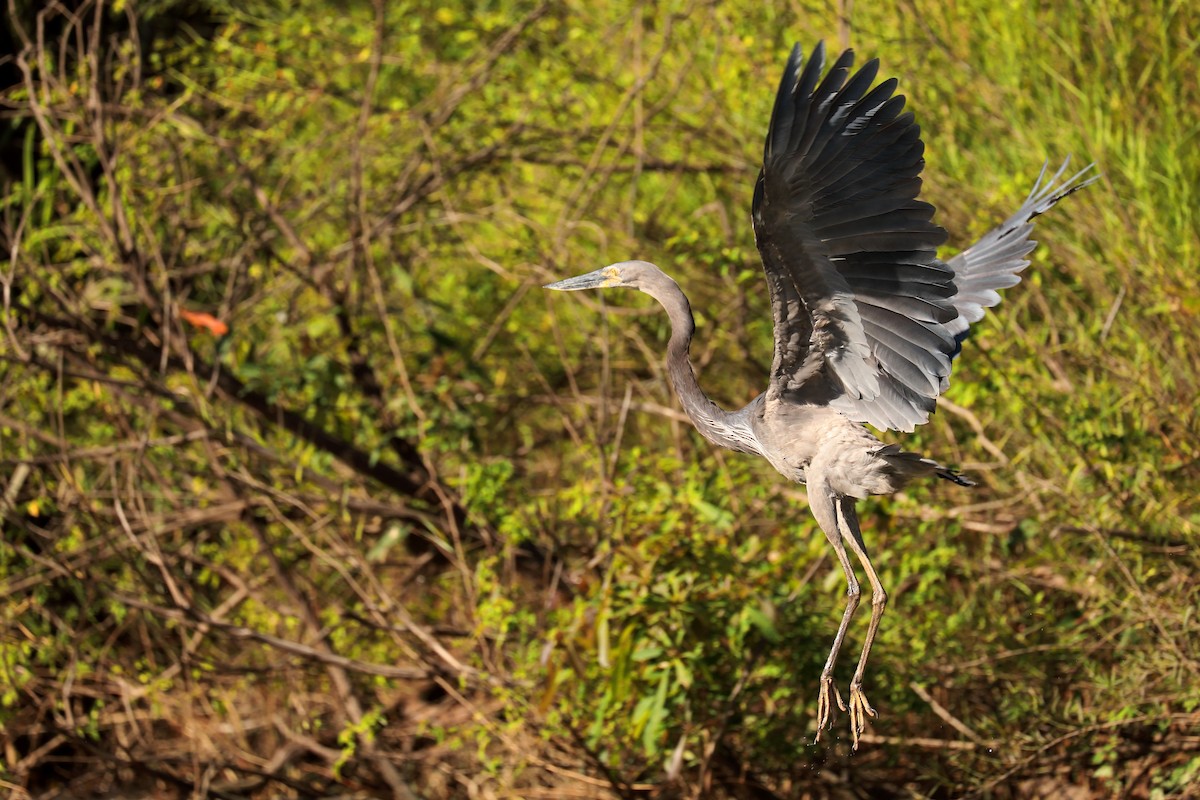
(634, 274)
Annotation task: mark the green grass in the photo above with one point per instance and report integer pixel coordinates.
(406, 459)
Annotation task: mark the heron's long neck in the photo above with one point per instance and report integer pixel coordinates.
(715, 423)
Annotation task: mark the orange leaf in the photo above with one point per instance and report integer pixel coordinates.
(206, 321)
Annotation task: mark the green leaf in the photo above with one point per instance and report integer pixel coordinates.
(657, 713)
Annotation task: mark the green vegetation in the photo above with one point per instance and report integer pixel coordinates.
(412, 527)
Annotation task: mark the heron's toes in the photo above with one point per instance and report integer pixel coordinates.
(860, 709)
(825, 699)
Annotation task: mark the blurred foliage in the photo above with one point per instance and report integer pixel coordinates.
(413, 526)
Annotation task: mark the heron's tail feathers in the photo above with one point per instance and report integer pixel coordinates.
(913, 465)
(954, 475)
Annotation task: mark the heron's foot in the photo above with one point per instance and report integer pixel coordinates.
(825, 699)
(860, 709)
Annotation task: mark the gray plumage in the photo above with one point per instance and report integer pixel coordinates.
(867, 319)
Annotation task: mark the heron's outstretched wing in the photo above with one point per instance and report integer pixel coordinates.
(996, 260)
(991, 264)
(850, 253)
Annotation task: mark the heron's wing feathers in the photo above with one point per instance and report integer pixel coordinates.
(850, 253)
(991, 264)
(996, 260)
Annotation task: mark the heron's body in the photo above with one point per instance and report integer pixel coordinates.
(819, 441)
(793, 436)
(867, 319)
(790, 435)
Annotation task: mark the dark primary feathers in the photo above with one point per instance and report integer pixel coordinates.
(857, 291)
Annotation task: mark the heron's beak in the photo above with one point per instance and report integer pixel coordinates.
(601, 278)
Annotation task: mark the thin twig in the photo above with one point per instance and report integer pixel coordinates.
(950, 719)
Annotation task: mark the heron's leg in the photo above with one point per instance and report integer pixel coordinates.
(860, 709)
(824, 509)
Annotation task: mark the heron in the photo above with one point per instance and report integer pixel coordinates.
(867, 319)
